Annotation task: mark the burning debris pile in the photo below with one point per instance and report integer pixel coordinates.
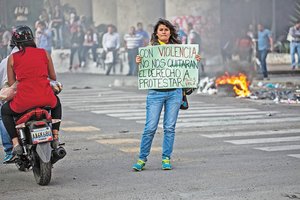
(239, 83)
(239, 86)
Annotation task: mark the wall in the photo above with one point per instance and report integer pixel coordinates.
(205, 15)
(105, 12)
(132, 11)
(279, 59)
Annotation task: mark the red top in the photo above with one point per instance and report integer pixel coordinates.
(33, 89)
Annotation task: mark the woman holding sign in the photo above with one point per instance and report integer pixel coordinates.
(164, 34)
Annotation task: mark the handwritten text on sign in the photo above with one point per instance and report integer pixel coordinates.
(168, 66)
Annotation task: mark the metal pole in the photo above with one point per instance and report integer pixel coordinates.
(274, 19)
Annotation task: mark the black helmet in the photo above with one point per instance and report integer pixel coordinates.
(21, 34)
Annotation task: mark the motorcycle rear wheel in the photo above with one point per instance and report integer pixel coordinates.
(42, 171)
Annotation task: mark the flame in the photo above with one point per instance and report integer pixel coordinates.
(239, 82)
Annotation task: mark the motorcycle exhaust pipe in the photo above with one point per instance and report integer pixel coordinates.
(58, 154)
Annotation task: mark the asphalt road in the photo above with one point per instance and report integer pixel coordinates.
(225, 149)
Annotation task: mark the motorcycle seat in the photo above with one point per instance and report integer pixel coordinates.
(36, 114)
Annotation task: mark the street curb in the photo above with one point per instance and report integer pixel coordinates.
(284, 72)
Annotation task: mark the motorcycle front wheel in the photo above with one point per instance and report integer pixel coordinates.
(42, 171)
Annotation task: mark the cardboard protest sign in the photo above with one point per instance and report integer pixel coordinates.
(168, 66)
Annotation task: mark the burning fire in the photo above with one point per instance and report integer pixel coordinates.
(239, 82)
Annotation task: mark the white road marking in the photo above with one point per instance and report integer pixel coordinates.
(190, 111)
(114, 110)
(238, 122)
(251, 133)
(294, 155)
(264, 140)
(80, 129)
(279, 148)
(116, 141)
(187, 115)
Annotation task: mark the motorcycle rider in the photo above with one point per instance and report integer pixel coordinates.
(31, 67)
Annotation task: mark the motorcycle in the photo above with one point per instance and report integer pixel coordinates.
(35, 135)
(34, 130)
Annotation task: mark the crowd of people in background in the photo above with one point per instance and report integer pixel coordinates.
(63, 28)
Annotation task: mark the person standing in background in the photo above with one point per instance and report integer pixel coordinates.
(73, 23)
(264, 46)
(76, 46)
(250, 32)
(90, 42)
(294, 32)
(6, 40)
(140, 31)
(111, 44)
(83, 23)
(181, 34)
(243, 47)
(44, 17)
(132, 41)
(6, 35)
(95, 46)
(57, 22)
(43, 37)
(149, 30)
(193, 37)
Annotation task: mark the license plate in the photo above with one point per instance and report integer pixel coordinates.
(41, 135)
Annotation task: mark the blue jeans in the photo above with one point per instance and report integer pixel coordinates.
(156, 100)
(263, 60)
(58, 37)
(295, 48)
(6, 141)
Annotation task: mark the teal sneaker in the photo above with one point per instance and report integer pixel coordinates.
(9, 158)
(139, 166)
(166, 164)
